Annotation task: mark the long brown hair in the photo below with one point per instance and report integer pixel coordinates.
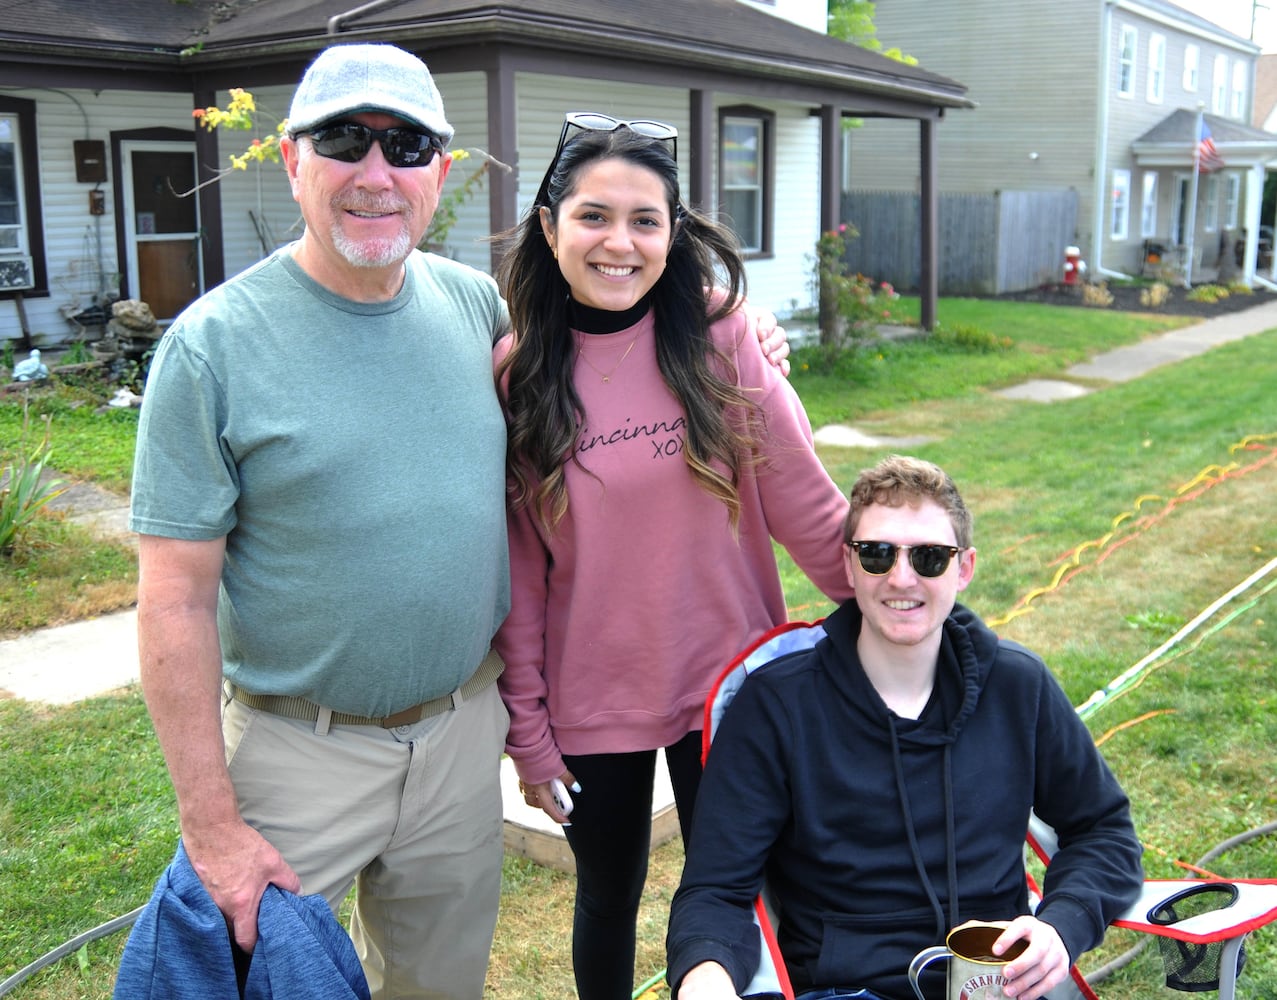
(543, 409)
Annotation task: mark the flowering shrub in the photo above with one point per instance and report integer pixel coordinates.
(851, 305)
(240, 115)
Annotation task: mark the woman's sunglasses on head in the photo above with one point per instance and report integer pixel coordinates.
(878, 558)
(349, 142)
(593, 121)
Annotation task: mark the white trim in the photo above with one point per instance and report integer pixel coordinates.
(1184, 27)
(1193, 66)
(22, 248)
(1120, 210)
(1126, 31)
(1237, 91)
(1219, 81)
(1211, 204)
(130, 216)
(1148, 204)
(1155, 89)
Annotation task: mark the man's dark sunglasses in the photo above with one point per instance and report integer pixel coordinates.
(878, 558)
(350, 142)
(593, 121)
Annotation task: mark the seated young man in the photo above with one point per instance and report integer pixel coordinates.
(882, 782)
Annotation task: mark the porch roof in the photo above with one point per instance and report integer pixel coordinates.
(1172, 142)
(692, 44)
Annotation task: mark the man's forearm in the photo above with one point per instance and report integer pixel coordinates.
(181, 675)
(181, 670)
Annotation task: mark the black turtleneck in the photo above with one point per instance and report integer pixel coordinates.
(587, 319)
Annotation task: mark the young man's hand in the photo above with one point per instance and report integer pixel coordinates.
(1044, 964)
(707, 981)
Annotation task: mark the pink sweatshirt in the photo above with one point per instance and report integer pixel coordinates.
(623, 617)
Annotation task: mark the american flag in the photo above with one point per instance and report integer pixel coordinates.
(1208, 157)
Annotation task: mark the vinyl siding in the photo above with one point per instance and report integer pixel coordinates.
(1030, 66)
(1033, 68)
(78, 245)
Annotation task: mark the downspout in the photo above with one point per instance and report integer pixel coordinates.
(1102, 139)
(335, 22)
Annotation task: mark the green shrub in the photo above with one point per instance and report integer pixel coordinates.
(1208, 293)
(22, 494)
(971, 338)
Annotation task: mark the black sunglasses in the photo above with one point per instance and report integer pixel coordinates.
(593, 121)
(878, 558)
(350, 142)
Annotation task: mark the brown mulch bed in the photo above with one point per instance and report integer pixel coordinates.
(1126, 298)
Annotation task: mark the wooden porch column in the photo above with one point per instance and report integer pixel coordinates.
(929, 200)
(701, 143)
(830, 167)
(503, 186)
(209, 194)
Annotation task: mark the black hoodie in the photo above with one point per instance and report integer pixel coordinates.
(879, 834)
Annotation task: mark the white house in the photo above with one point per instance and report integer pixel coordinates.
(99, 152)
(1098, 96)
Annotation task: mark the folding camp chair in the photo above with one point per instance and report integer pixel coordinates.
(1200, 924)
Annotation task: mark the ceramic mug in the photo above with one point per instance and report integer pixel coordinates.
(975, 973)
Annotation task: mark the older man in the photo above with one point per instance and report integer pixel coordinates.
(321, 574)
(340, 563)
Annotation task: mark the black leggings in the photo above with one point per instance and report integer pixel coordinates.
(610, 836)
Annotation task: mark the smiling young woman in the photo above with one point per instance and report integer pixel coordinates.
(654, 453)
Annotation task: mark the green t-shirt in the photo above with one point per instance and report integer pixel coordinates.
(353, 456)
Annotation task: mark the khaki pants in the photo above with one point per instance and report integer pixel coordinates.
(411, 816)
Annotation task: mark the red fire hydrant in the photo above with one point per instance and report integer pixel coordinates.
(1073, 266)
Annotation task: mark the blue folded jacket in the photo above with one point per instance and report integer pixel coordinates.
(180, 948)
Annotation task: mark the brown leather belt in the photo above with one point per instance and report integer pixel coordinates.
(307, 711)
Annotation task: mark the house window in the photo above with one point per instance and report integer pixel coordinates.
(1211, 205)
(1192, 57)
(1219, 85)
(21, 246)
(745, 175)
(12, 232)
(1148, 205)
(1126, 62)
(1156, 68)
(1238, 106)
(1120, 225)
(1231, 194)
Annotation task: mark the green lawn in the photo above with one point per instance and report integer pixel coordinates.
(1104, 524)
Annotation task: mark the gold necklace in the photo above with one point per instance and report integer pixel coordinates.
(606, 376)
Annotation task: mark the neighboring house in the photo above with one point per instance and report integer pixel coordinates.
(1098, 97)
(1264, 113)
(98, 148)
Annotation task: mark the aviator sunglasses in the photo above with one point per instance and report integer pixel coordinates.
(350, 142)
(878, 558)
(593, 121)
